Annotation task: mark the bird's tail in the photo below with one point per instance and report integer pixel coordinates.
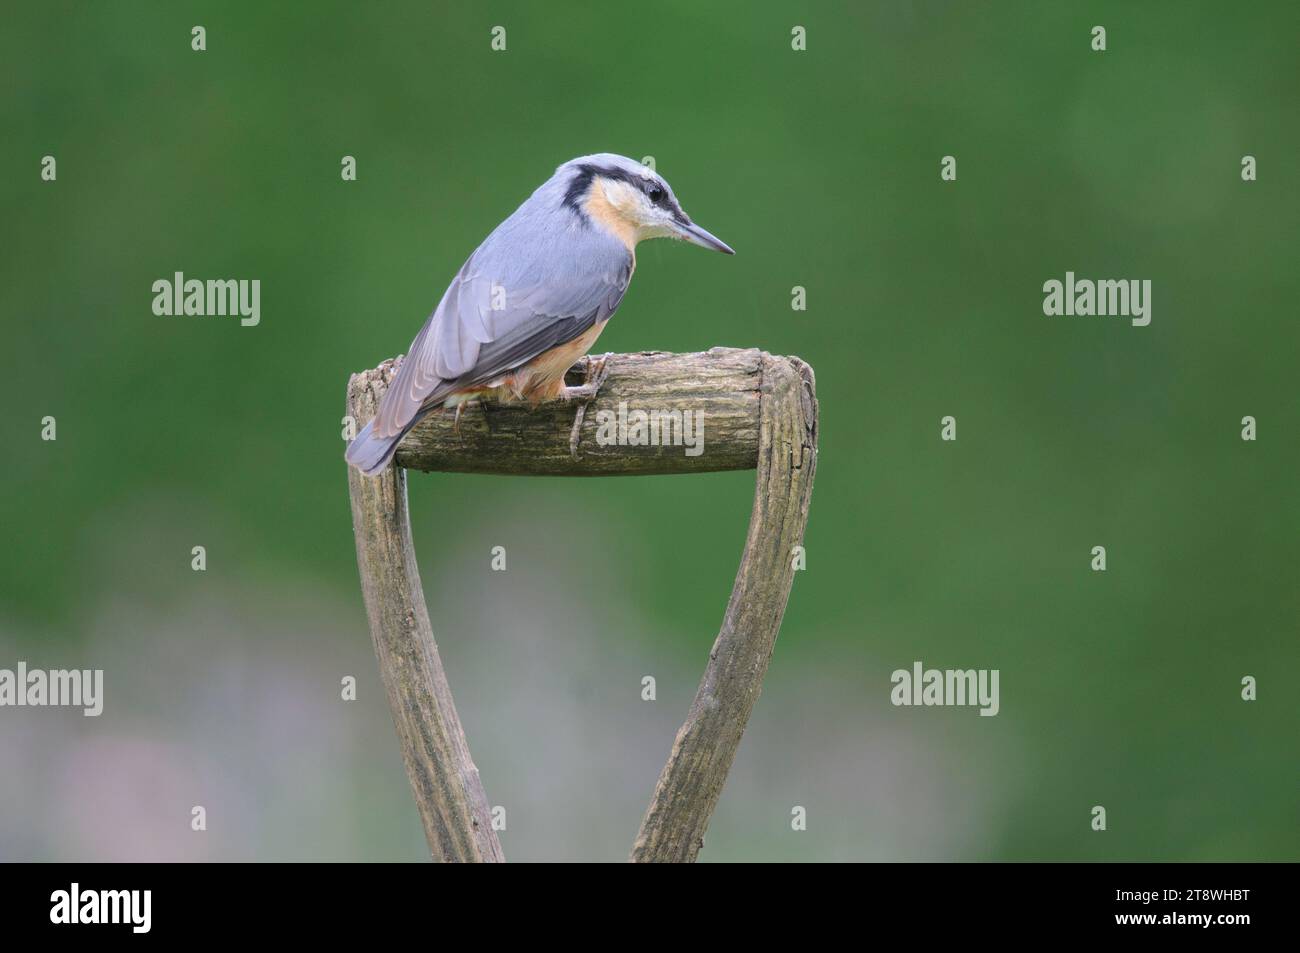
(371, 454)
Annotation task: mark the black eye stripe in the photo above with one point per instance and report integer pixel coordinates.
(655, 190)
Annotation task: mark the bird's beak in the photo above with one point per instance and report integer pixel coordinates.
(692, 233)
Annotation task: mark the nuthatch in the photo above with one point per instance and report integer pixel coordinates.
(532, 299)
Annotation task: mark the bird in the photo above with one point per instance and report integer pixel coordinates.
(531, 300)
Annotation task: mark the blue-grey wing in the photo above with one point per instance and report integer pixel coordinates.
(509, 303)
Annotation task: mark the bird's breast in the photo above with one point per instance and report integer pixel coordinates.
(542, 378)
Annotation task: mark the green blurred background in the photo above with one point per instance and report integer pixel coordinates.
(924, 299)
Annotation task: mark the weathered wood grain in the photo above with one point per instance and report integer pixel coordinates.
(448, 792)
(722, 384)
(759, 411)
(691, 781)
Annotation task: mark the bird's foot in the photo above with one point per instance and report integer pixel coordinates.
(460, 408)
(597, 371)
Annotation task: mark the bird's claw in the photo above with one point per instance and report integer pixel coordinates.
(597, 371)
(594, 376)
(460, 408)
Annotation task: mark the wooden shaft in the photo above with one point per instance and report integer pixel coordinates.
(448, 792)
(719, 388)
(691, 781)
(757, 410)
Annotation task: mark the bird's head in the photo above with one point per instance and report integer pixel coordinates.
(630, 201)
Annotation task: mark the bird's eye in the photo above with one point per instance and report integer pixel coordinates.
(656, 194)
